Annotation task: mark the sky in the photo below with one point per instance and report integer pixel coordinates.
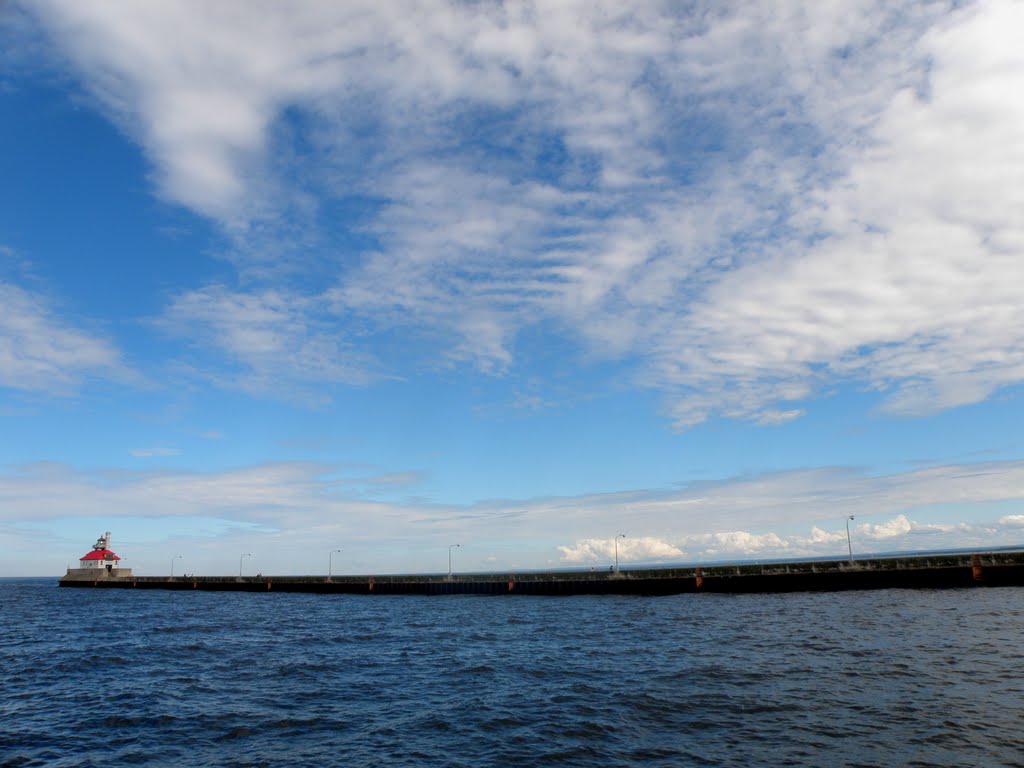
(280, 279)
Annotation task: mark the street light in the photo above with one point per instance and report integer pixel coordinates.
(176, 557)
(849, 545)
(247, 554)
(622, 536)
(450, 548)
(330, 557)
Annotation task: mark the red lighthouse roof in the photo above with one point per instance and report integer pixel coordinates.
(100, 554)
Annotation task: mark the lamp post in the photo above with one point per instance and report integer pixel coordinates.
(620, 536)
(330, 564)
(176, 557)
(450, 548)
(247, 554)
(849, 544)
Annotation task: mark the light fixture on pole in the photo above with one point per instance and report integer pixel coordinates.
(620, 536)
(247, 554)
(450, 548)
(330, 564)
(849, 544)
(176, 557)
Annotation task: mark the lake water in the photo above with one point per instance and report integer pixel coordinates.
(112, 678)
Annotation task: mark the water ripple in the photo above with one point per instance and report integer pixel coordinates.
(97, 678)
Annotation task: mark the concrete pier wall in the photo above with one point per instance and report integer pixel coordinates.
(920, 572)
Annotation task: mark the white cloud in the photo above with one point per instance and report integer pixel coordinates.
(39, 351)
(750, 204)
(916, 287)
(898, 526)
(1012, 521)
(819, 536)
(642, 549)
(735, 542)
(268, 341)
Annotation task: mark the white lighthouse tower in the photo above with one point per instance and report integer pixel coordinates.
(99, 562)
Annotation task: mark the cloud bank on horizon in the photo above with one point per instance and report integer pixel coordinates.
(286, 511)
(744, 208)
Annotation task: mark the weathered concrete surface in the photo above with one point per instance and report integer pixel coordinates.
(919, 572)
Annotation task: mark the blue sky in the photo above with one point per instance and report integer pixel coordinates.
(388, 277)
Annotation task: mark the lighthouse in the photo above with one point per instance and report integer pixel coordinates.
(99, 562)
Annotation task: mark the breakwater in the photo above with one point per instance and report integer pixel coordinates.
(991, 569)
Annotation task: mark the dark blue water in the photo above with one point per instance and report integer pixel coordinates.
(110, 678)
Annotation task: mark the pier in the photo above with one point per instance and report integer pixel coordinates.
(987, 569)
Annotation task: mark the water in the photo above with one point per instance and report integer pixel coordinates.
(111, 678)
